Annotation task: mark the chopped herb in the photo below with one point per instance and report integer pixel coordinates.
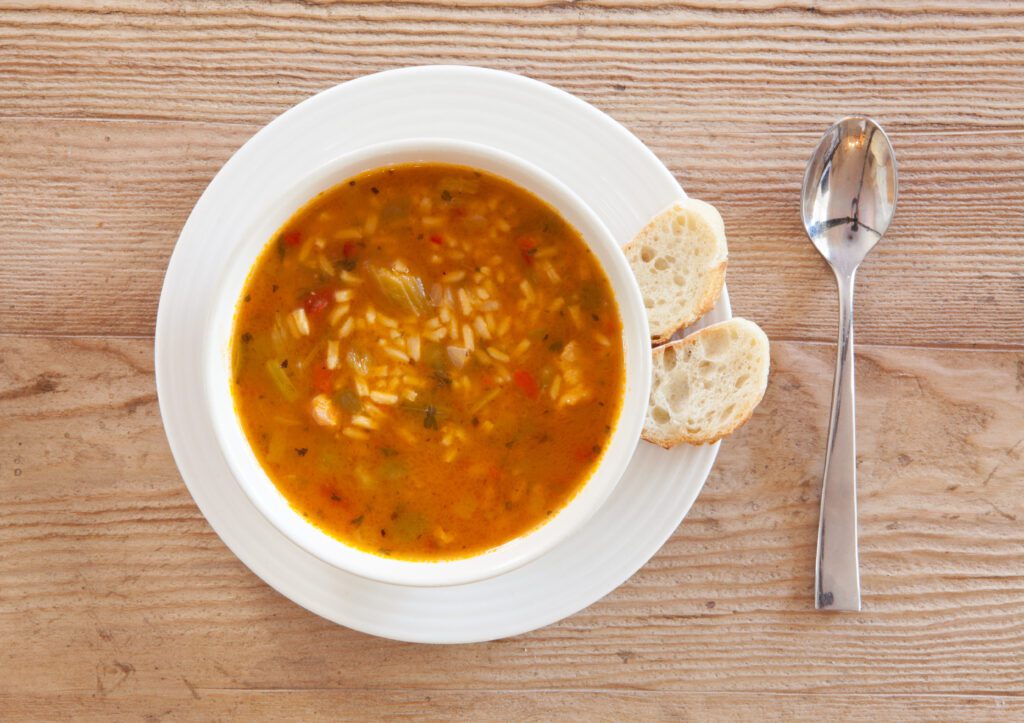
(284, 364)
(280, 247)
(597, 449)
(446, 195)
(248, 298)
(476, 421)
(351, 183)
(509, 444)
(383, 532)
(442, 378)
(334, 497)
(246, 337)
(388, 451)
(273, 288)
(556, 347)
(301, 451)
(595, 317)
(356, 521)
(375, 190)
(347, 264)
(430, 417)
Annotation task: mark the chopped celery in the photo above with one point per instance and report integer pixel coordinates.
(404, 290)
(393, 469)
(349, 401)
(238, 359)
(281, 380)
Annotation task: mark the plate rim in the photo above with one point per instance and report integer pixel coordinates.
(176, 442)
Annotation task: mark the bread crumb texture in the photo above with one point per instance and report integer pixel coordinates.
(707, 385)
(679, 260)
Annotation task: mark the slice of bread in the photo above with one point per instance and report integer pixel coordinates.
(679, 260)
(707, 385)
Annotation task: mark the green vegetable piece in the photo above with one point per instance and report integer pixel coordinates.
(349, 401)
(280, 378)
(434, 355)
(238, 360)
(403, 290)
(430, 417)
(591, 297)
(393, 469)
(409, 525)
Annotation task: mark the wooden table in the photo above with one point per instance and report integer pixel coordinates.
(118, 600)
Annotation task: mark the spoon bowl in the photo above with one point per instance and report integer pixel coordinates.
(848, 201)
(849, 191)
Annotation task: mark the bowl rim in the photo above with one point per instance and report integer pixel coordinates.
(261, 490)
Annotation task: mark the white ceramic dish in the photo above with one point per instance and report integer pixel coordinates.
(266, 220)
(603, 163)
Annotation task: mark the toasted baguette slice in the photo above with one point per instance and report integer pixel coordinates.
(707, 385)
(679, 260)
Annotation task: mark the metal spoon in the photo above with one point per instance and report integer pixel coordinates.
(848, 200)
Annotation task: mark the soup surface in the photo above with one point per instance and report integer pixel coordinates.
(427, 361)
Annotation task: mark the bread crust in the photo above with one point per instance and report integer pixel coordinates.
(669, 434)
(671, 232)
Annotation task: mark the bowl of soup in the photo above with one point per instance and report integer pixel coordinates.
(429, 362)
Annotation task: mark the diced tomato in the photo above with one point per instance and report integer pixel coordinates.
(323, 379)
(349, 250)
(317, 301)
(293, 238)
(527, 247)
(525, 381)
(436, 238)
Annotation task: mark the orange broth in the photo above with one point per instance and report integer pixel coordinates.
(428, 361)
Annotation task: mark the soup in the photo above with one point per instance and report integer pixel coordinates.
(427, 361)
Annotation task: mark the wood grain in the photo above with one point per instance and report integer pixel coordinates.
(117, 601)
(192, 703)
(112, 574)
(755, 65)
(99, 205)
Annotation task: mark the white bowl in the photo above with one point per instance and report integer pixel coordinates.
(261, 490)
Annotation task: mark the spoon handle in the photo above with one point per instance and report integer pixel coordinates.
(837, 574)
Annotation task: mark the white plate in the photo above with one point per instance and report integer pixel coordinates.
(592, 154)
